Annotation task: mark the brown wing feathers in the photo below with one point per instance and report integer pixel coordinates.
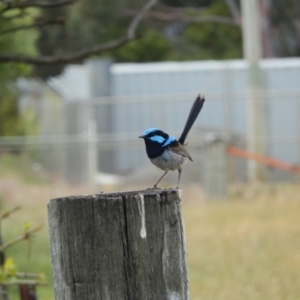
(179, 149)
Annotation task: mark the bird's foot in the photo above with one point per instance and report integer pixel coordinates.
(153, 188)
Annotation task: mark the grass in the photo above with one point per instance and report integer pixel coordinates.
(20, 185)
(246, 247)
(19, 166)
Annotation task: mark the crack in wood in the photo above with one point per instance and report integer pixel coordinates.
(125, 246)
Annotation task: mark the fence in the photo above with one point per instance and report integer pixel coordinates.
(91, 116)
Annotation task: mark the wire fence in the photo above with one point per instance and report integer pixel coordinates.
(74, 144)
(90, 117)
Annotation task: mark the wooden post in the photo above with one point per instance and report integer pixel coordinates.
(216, 169)
(256, 110)
(128, 245)
(27, 292)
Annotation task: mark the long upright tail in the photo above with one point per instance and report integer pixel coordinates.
(195, 110)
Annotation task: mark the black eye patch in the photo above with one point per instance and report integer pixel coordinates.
(158, 133)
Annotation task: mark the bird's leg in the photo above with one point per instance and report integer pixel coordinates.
(179, 173)
(155, 185)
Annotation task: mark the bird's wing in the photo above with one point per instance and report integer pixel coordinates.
(179, 149)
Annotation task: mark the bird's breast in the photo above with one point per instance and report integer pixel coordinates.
(168, 160)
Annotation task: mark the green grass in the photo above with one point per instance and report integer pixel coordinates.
(33, 257)
(21, 167)
(246, 247)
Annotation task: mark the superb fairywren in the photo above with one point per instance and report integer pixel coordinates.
(165, 151)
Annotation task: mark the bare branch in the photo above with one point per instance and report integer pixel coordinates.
(80, 55)
(24, 236)
(297, 26)
(27, 282)
(212, 18)
(56, 21)
(194, 9)
(235, 11)
(12, 4)
(67, 58)
(266, 29)
(9, 212)
(137, 19)
(179, 16)
(28, 275)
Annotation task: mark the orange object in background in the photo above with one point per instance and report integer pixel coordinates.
(263, 159)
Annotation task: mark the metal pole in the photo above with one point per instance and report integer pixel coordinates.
(252, 44)
(100, 88)
(92, 150)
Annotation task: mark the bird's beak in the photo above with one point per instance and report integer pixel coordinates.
(141, 137)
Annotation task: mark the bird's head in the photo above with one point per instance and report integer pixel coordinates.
(156, 141)
(155, 136)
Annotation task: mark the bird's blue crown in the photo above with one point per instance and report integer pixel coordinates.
(150, 130)
(156, 135)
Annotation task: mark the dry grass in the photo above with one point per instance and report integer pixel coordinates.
(246, 247)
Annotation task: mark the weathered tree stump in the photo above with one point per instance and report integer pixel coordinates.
(116, 246)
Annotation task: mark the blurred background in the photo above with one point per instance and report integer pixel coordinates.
(70, 115)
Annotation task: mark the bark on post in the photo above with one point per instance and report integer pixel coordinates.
(127, 245)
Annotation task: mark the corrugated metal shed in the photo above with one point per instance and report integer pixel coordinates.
(160, 94)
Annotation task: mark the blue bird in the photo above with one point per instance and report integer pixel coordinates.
(164, 151)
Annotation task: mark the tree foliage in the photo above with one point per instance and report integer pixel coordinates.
(86, 24)
(284, 29)
(9, 271)
(91, 22)
(50, 34)
(210, 40)
(11, 123)
(153, 47)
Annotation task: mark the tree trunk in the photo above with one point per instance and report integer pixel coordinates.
(118, 246)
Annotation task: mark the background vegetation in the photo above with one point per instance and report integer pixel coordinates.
(246, 247)
(172, 30)
(11, 122)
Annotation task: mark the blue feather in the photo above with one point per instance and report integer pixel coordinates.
(149, 130)
(169, 141)
(157, 138)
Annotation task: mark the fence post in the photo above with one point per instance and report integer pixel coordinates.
(216, 169)
(28, 292)
(128, 245)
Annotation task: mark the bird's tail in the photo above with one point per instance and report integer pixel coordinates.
(195, 110)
